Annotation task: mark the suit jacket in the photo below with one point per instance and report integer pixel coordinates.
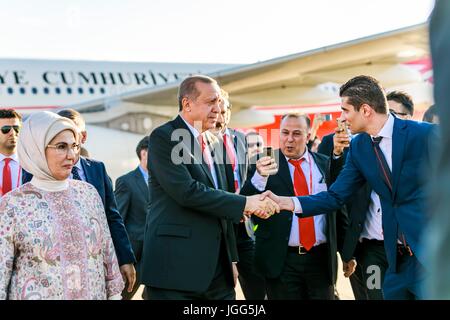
(187, 216)
(96, 175)
(405, 207)
(240, 147)
(272, 235)
(132, 201)
(241, 150)
(356, 208)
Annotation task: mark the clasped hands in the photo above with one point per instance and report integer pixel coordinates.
(266, 204)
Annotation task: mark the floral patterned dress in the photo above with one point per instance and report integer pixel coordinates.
(56, 245)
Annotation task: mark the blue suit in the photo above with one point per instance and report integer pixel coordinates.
(404, 209)
(96, 175)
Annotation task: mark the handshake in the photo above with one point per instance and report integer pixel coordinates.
(266, 204)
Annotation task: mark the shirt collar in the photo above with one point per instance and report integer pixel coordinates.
(194, 131)
(144, 173)
(13, 157)
(78, 164)
(304, 156)
(388, 128)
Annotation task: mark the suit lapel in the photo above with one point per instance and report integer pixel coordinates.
(284, 173)
(86, 165)
(321, 164)
(194, 146)
(399, 135)
(140, 182)
(239, 146)
(370, 162)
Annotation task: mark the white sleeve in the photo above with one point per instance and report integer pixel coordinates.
(297, 205)
(259, 182)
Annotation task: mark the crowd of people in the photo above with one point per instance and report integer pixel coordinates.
(208, 206)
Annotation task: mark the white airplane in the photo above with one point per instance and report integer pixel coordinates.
(306, 82)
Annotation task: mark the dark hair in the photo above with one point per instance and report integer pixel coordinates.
(188, 89)
(297, 116)
(429, 114)
(73, 115)
(403, 98)
(9, 114)
(142, 145)
(364, 90)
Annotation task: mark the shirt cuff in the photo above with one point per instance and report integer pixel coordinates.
(259, 182)
(297, 205)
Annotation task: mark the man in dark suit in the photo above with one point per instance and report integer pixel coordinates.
(132, 201)
(298, 257)
(94, 172)
(187, 254)
(363, 242)
(393, 156)
(235, 151)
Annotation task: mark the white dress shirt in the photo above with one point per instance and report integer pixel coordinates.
(207, 152)
(386, 147)
(318, 185)
(16, 174)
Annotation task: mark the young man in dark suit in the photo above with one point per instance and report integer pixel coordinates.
(297, 257)
(394, 157)
(363, 245)
(132, 198)
(187, 252)
(94, 172)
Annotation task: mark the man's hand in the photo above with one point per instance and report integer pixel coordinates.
(235, 272)
(129, 275)
(285, 203)
(341, 140)
(349, 267)
(266, 166)
(263, 208)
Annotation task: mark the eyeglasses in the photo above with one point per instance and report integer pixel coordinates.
(62, 148)
(402, 114)
(7, 129)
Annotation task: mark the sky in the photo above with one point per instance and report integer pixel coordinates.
(203, 31)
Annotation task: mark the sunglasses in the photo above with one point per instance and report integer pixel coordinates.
(398, 113)
(7, 129)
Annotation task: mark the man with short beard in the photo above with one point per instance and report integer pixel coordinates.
(10, 123)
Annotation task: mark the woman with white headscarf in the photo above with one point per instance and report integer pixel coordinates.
(54, 237)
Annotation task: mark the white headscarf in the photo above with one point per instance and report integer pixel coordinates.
(36, 133)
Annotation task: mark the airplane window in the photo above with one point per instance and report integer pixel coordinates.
(34, 90)
(10, 90)
(102, 90)
(69, 90)
(46, 91)
(91, 90)
(58, 90)
(80, 90)
(22, 90)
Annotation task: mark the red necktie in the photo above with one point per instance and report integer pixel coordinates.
(7, 181)
(231, 155)
(305, 225)
(202, 143)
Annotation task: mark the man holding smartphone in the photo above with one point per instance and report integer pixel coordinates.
(297, 257)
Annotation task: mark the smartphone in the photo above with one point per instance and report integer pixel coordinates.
(268, 152)
(341, 125)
